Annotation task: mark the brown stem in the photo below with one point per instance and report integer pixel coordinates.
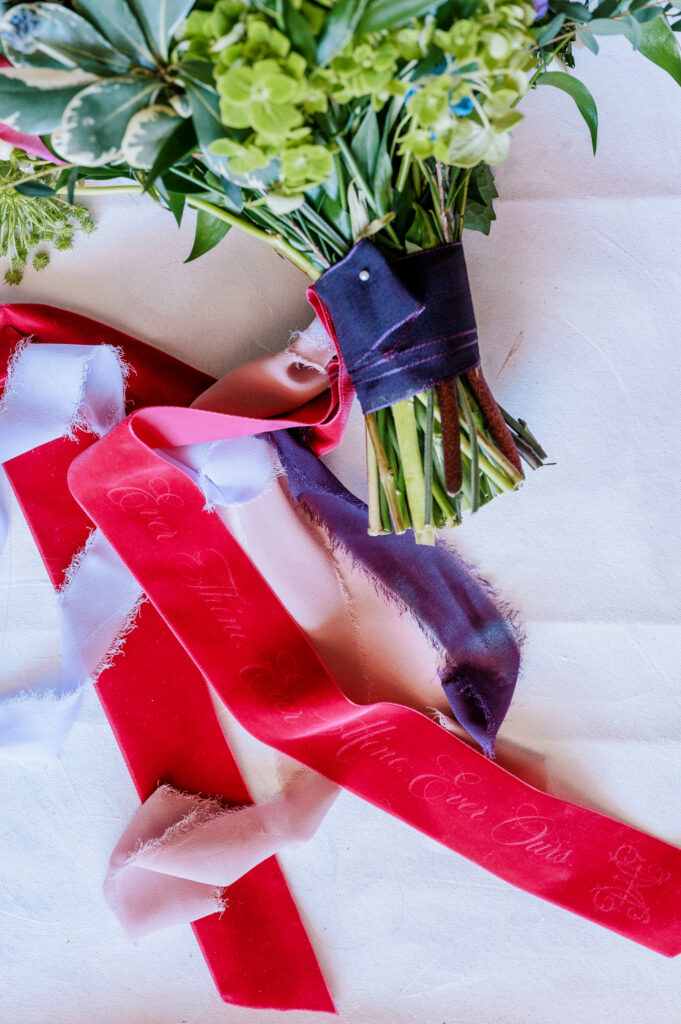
(495, 421)
(451, 443)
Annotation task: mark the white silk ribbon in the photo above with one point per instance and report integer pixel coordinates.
(52, 391)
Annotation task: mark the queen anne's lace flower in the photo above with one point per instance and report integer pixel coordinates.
(29, 222)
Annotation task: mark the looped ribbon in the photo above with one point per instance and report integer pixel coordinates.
(401, 326)
(204, 589)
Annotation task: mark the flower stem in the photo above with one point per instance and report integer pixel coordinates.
(475, 475)
(275, 241)
(407, 436)
(428, 456)
(386, 474)
(33, 177)
(375, 524)
(102, 190)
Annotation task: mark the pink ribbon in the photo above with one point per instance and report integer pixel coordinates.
(29, 143)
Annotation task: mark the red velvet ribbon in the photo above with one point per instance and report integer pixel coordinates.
(155, 698)
(208, 592)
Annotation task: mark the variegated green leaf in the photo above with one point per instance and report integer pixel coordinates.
(115, 20)
(95, 121)
(160, 19)
(33, 100)
(206, 114)
(45, 34)
(146, 133)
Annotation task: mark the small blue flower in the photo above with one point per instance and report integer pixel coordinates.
(463, 108)
(20, 34)
(541, 7)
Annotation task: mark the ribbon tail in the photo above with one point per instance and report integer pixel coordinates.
(481, 656)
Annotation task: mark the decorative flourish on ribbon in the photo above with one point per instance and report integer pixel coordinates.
(401, 327)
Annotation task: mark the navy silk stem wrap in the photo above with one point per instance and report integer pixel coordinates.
(401, 326)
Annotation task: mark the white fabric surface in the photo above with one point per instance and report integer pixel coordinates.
(577, 299)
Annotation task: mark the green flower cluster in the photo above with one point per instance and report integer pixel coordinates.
(30, 221)
(459, 85)
(267, 97)
(463, 113)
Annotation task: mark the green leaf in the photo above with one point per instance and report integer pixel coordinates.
(608, 7)
(34, 188)
(646, 14)
(365, 144)
(580, 94)
(589, 40)
(210, 231)
(71, 180)
(117, 23)
(35, 102)
(160, 19)
(173, 150)
(176, 205)
(300, 34)
(576, 12)
(628, 27)
(95, 121)
(481, 195)
(548, 32)
(146, 133)
(66, 39)
(339, 26)
(660, 46)
(205, 105)
(383, 178)
(389, 14)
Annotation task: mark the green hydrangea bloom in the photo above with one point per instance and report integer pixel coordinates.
(460, 84)
(306, 166)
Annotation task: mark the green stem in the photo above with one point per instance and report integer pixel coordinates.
(403, 172)
(386, 474)
(462, 210)
(407, 436)
(427, 456)
(34, 177)
(275, 241)
(475, 475)
(103, 190)
(374, 503)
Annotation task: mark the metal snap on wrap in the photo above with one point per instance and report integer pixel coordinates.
(413, 328)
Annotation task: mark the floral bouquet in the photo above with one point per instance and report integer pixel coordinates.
(355, 137)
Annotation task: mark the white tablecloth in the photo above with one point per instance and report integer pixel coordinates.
(577, 297)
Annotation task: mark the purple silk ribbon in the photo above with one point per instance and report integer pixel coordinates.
(402, 326)
(481, 656)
